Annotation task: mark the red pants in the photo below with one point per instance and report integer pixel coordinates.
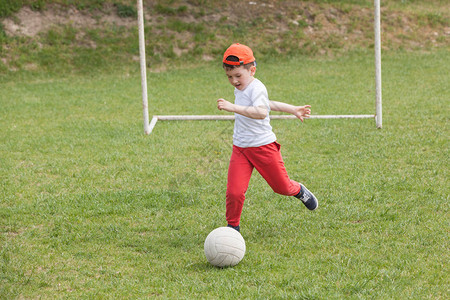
(268, 162)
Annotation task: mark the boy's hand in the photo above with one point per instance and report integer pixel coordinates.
(223, 104)
(302, 112)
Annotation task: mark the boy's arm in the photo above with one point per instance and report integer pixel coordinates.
(300, 112)
(254, 112)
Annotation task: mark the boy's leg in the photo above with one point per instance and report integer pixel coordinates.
(269, 163)
(239, 173)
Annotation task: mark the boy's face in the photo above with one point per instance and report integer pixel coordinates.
(240, 77)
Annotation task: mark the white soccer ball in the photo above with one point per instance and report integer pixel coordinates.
(224, 247)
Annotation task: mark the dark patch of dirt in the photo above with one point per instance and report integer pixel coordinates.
(28, 22)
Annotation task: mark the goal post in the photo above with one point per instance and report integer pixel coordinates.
(377, 29)
(149, 126)
(143, 66)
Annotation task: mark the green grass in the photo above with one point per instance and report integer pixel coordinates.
(92, 208)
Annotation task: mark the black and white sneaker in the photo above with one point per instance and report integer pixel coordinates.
(307, 198)
(234, 227)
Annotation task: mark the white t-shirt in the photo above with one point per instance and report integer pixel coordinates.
(250, 132)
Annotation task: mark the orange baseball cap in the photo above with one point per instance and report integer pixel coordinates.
(242, 52)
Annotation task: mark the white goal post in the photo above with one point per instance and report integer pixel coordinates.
(149, 126)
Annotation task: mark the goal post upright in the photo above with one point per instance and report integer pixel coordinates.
(143, 64)
(149, 126)
(377, 27)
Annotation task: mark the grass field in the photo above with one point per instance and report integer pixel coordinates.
(93, 208)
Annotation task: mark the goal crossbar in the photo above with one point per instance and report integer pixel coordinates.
(157, 118)
(148, 126)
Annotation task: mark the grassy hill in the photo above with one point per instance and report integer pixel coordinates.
(68, 35)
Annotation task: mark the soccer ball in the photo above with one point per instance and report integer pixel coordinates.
(224, 247)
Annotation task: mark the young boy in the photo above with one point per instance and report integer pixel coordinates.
(254, 143)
